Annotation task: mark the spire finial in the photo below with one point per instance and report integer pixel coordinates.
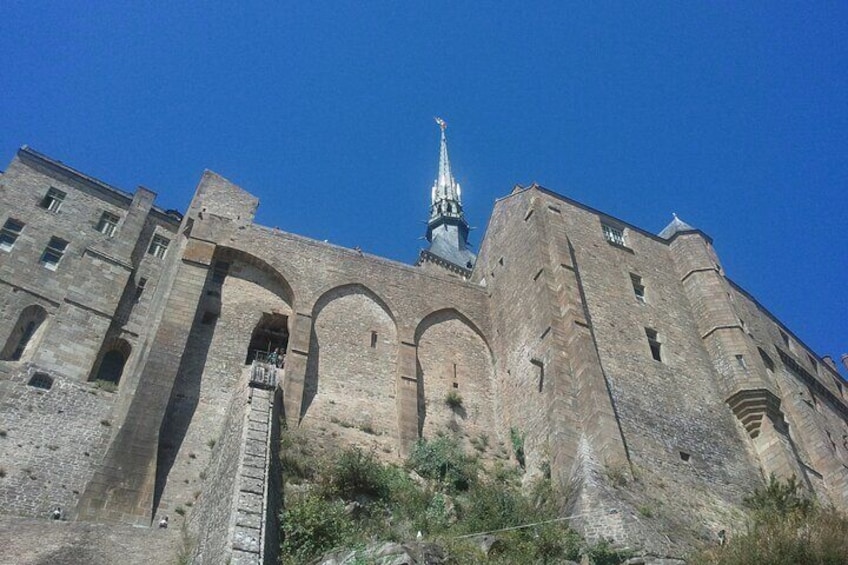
(442, 124)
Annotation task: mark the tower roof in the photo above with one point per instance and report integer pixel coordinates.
(676, 225)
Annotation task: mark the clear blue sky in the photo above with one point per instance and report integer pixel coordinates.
(732, 114)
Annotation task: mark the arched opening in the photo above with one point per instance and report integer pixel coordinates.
(269, 339)
(22, 334)
(112, 362)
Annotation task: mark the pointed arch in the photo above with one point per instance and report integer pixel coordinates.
(283, 287)
(21, 338)
(443, 314)
(352, 356)
(339, 290)
(455, 367)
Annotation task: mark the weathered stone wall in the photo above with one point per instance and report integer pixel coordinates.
(50, 442)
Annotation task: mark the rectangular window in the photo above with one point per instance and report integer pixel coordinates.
(9, 234)
(373, 340)
(158, 246)
(52, 201)
(53, 253)
(654, 343)
(614, 235)
(740, 360)
(108, 224)
(638, 287)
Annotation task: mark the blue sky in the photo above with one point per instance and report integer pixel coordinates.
(732, 114)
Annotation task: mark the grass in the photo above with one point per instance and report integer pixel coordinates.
(106, 386)
(353, 499)
(785, 528)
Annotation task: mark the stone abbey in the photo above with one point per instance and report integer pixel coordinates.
(150, 359)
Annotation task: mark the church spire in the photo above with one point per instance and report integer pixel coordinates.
(447, 230)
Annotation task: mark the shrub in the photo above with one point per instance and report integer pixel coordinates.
(443, 460)
(786, 529)
(312, 525)
(355, 472)
(453, 400)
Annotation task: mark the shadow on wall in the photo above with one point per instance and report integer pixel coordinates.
(310, 379)
(183, 402)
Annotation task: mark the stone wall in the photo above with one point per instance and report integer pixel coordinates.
(50, 442)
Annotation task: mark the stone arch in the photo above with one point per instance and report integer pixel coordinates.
(453, 359)
(23, 335)
(244, 297)
(282, 287)
(111, 361)
(351, 367)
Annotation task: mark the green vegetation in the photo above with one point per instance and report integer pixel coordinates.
(453, 400)
(349, 499)
(517, 439)
(786, 528)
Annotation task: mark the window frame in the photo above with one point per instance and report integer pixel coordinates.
(53, 200)
(158, 246)
(108, 223)
(8, 235)
(55, 248)
(614, 235)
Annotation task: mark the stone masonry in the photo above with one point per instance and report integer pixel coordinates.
(135, 381)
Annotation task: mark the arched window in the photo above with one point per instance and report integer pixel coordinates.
(113, 360)
(27, 325)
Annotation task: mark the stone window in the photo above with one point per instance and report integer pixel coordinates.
(638, 287)
(112, 361)
(41, 380)
(654, 343)
(9, 234)
(740, 360)
(52, 201)
(373, 340)
(158, 246)
(53, 253)
(19, 339)
(108, 224)
(614, 235)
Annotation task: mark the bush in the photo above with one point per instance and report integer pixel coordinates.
(443, 460)
(311, 526)
(453, 400)
(355, 472)
(786, 529)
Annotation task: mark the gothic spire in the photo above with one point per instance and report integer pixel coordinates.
(447, 230)
(446, 195)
